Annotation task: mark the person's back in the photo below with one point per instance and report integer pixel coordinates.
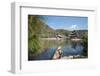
(58, 53)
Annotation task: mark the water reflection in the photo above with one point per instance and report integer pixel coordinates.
(69, 48)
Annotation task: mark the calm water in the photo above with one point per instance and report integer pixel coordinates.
(68, 47)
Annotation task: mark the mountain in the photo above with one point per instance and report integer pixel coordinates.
(63, 32)
(38, 27)
(82, 30)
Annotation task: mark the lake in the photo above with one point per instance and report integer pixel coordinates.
(69, 48)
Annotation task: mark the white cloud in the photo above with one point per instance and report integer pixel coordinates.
(73, 27)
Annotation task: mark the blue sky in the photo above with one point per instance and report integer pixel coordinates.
(66, 22)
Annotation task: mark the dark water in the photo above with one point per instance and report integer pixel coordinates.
(68, 48)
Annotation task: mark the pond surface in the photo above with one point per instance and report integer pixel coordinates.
(68, 48)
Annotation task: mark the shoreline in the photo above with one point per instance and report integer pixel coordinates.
(74, 39)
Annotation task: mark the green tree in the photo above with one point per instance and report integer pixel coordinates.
(85, 45)
(34, 44)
